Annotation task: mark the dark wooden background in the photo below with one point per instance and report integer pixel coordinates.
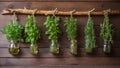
(65, 59)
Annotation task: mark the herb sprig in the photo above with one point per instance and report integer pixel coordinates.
(13, 32)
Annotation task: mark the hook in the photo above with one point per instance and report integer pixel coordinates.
(34, 11)
(54, 11)
(14, 16)
(107, 11)
(25, 8)
(71, 13)
(91, 11)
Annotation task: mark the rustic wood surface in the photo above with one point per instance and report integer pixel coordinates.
(64, 60)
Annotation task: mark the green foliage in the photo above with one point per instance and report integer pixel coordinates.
(31, 30)
(13, 31)
(89, 35)
(106, 29)
(52, 25)
(71, 28)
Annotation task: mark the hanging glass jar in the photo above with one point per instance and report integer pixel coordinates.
(89, 34)
(107, 47)
(34, 49)
(106, 32)
(73, 47)
(54, 48)
(13, 48)
(13, 32)
(32, 33)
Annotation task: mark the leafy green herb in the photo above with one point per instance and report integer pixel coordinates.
(52, 25)
(89, 35)
(32, 33)
(53, 29)
(31, 29)
(13, 31)
(71, 29)
(106, 29)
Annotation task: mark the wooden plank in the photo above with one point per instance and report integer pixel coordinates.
(60, 61)
(75, 5)
(65, 66)
(57, 0)
(64, 53)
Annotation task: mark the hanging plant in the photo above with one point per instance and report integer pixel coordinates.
(106, 33)
(52, 31)
(89, 35)
(71, 29)
(32, 33)
(13, 32)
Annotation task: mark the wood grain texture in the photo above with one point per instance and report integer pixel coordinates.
(60, 61)
(59, 0)
(64, 53)
(45, 58)
(65, 66)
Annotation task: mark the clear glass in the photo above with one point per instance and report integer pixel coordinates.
(54, 48)
(34, 49)
(13, 48)
(73, 47)
(107, 47)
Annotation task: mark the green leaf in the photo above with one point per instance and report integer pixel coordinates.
(89, 35)
(31, 29)
(13, 31)
(52, 27)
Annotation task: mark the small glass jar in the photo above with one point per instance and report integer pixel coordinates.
(54, 48)
(73, 47)
(34, 49)
(107, 47)
(13, 48)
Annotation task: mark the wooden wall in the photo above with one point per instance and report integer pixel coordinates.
(65, 59)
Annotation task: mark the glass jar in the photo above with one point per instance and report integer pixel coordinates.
(13, 48)
(73, 47)
(54, 48)
(34, 49)
(107, 47)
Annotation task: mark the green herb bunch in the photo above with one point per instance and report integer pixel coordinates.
(89, 35)
(31, 30)
(71, 28)
(53, 29)
(13, 32)
(106, 29)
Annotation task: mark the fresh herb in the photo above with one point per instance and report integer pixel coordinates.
(52, 31)
(106, 33)
(13, 32)
(106, 29)
(89, 35)
(31, 30)
(32, 33)
(52, 25)
(71, 29)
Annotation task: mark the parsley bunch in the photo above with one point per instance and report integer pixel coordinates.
(89, 35)
(71, 29)
(31, 30)
(13, 32)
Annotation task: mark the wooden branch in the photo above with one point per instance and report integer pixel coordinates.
(45, 12)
